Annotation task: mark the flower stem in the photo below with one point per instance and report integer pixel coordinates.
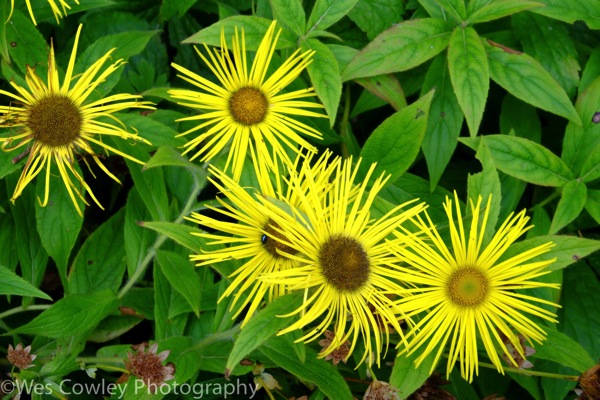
(528, 372)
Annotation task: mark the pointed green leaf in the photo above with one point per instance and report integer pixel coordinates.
(592, 204)
(571, 11)
(266, 323)
(181, 274)
(400, 48)
(454, 8)
(395, 143)
(324, 74)
(560, 348)
(467, 63)
(406, 376)
(182, 234)
(291, 14)
(385, 87)
(73, 315)
(444, 122)
(520, 118)
(100, 263)
(313, 369)
(567, 249)
(327, 12)
(254, 29)
(500, 8)
(527, 160)
(572, 201)
(526, 79)
(58, 212)
(375, 16)
(12, 284)
(137, 239)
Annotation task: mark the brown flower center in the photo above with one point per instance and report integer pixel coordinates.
(467, 287)
(55, 121)
(344, 263)
(248, 106)
(270, 242)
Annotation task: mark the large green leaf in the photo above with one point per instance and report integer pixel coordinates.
(527, 160)
(395, 143)
(375, 16)
(181, 233)
(315, 370)
(291, 14)
(137, 239)
(467, 63)
(562, 349)
(526, 79)
(572, 201)
(550, 42)
(592, 204)
(400, 48)
(567, 249)
(73, 315)
(327, 12)
(266, 323)
(406, 376)
(59, 212)
(12, 284)
(497, 9)
(325, 76)
(22, 43)
(571, 11)
(181, 274)
(100, 263)
(254, 29)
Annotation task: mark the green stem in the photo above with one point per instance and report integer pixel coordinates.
(372, 373)
(528, 372)
(88, 360)
(159, 241)
(545, 201)
(17, 310)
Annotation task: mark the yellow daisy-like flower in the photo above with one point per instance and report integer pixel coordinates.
(253, 234)
(246, 109)
(58, 13)
(345, 263)
(56, 124)
(467, 293)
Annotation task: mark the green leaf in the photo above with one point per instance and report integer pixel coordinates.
(137, 239)
(266, 323)
(444, 122)
(567, 249)
(550, 42)
(572, 201)
(313, 369)
(181, 274)
(59, 212)
(395, 143)
(12, 284)
(182, 234)
(112, 327)
(168, 156)
(291, 14)
(526, 79)
(375, 16)
(385, 87)
(467, 63)
(571, 11)
(325, 76)
(156, 132)
(73, 315)
(166, 325)
(592, 204)
(406, 376)
(520, 119)
(591, 71)
(254, 29)
(327, 12)
(456, 8)
(400, 48)
(172, 8)
(500, 8)
(24, 45)
(100, 263)
(581, 143)
(527, 160)
(560, 348)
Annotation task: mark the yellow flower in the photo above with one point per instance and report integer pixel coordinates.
(245, 110)
(56, 124)
(345, 263)
(55, 9)
(252, 234)
(467, 293)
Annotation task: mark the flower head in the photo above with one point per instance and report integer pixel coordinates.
(340, 353)
(56, 10)
(147, 366)
(246, 110)
(252, 236)
(345, 263)
(20, 357)
(467, 292)
(58, 123)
